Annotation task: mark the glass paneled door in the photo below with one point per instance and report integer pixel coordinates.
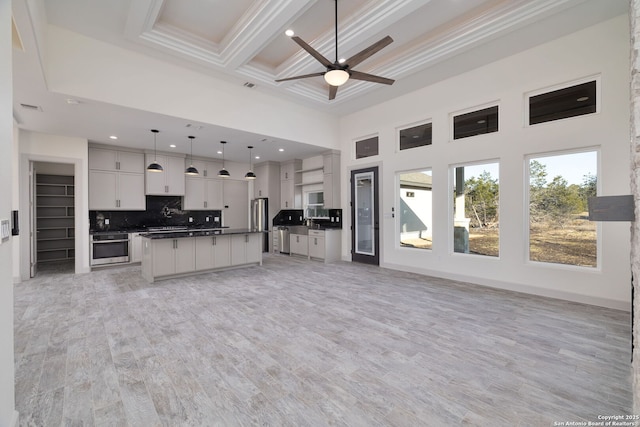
(365, 222)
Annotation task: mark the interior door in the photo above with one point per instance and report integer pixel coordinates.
(365, 228)
(33, 229)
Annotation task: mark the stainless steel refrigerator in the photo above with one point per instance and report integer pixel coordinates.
(260, 219)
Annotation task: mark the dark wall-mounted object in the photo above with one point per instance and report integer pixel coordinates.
(15, 229)
(611, 208)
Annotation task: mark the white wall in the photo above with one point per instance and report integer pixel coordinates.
(83, 67)
(601, 50)
(41, 147)
(8, 415)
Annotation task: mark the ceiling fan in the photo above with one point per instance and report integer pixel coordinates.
(337, 72)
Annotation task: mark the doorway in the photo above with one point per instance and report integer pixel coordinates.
(365, 217)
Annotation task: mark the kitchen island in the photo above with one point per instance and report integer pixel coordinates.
(181, 253)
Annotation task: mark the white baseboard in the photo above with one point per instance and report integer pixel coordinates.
(14, 420)
(525, 289)
(16, 280)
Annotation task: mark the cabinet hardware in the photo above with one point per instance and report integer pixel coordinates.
(315, 241)
(166, 188)
(205, 204)
(118, 165)
(246, 238)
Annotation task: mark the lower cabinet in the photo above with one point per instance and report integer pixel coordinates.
(316, 244)
(135, 248)
(246, 248)
(299, 244)
(213, 252)
(173, 256)
(325, 245)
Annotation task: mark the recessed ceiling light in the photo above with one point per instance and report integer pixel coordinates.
(280, 149)
(172, 145)
(257, 157)
(582, 98)
(113, 137)
(289, 33)
(72, 101)
(219, 152)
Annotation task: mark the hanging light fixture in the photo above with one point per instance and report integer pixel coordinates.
(154, 166)
(250, 174)
(191, 170)
(223, 172)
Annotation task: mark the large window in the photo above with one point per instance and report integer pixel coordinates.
(559, 229)
(415, 209)
(476, 210)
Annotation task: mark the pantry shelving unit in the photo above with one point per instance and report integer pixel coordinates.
(55, 218)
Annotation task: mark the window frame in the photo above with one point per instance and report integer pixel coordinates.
(364, 138)
(398, 212)
(454, 114)
(526, 210)
(409, 126)
(527, 96)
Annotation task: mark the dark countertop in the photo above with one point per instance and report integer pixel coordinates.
(196, 233)
(146, 230)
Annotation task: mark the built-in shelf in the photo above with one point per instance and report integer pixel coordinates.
(319, 168)
(55, 217)
(308, 183)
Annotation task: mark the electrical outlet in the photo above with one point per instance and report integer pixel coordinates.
(190, 219)
(106, 221)
(207, 219)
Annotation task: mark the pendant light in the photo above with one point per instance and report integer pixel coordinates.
(154, 166)
(191, 170)
(250, 174)
(223, 172)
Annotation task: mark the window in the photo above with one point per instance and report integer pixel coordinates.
(416, 136)
(563, 103)
(559, 229)
(475, 123)
(367, 147)
(476, 204)
(415, 211)
(315, 205)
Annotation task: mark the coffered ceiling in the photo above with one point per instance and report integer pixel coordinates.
(243, 41)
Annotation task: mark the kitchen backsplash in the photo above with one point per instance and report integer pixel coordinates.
(162, 211)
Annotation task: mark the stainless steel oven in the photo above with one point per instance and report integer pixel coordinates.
(111, 248)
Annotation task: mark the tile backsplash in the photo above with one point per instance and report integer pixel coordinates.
(162, 211)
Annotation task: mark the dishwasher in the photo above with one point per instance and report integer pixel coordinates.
(283, 240)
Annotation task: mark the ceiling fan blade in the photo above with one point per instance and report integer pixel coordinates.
(301, 77)
(364, 54)
(324, 61)
(333, 90)
(357, 75)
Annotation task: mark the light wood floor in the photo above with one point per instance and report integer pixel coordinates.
(299, 343)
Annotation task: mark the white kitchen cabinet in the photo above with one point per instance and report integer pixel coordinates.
(203, 194)
(267, 183)
(109, 190)
(206, 168)
(212, 252)
(169, 182)
(236, 203)
(325, 245)
(173, 256)
(114, 160)
(299, 244)
(135, 242)
(246, 248)
(290, 194)
(331, 182)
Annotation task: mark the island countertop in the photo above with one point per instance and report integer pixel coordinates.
(197, 233)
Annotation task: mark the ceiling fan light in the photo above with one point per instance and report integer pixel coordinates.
(336, 77)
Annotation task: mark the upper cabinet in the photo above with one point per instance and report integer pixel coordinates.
(169, 182)
(267, 183)
(331, 183)
(113, 160)
(290, 194)
(203, 194)
(116, 180)
(206, 169)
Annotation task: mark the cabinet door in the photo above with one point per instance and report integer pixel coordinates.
(236, 197)
(101, 159)
(299, 244)
(155, 181)
(175, 176)
(221, 251)
(131, 162)
(131, 191)
(204, 252)
(136, 247)
(287, 194)
(185, 255)
(102, 190)
(254, 247)
(238, 249)
(194, 196)
(213, 194)
(287, 171)
(316, 247)
(164, 257)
